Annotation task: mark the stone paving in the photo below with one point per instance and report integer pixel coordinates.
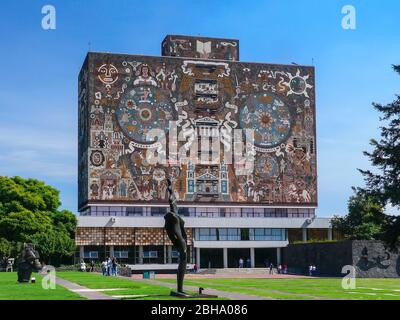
(83, 291)
(220, 294)
(227, 275)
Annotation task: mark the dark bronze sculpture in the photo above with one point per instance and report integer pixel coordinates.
(28, 263)
(174, 225)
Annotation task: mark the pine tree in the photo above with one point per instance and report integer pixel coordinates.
(385, 156)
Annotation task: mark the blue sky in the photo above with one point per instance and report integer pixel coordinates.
(38, 91)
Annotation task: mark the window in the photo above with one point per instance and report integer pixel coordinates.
(91, 254)
(247, 212)
(229, 234)
(207, 234)
(150, 254)
(174, 254)
(134, 211)
(121, 254)
(267, 234)
(156, 211)
(184, 212)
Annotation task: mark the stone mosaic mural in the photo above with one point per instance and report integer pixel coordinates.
(123, 97)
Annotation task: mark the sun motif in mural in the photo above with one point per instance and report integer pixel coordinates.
(269, 117)
(265, 119)
(142, 109)
(298, 84)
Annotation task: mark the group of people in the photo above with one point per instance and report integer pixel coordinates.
(83, 267)
(282, 268)
(244, 263)
(312, 270)
(109, 267)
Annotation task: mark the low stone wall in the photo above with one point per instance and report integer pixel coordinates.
(329, 257)
(370, 258)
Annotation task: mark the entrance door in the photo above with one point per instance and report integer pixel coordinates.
(264, 256)
(235, 254)
(211, 258)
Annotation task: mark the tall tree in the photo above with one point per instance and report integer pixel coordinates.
(385, 156)
(29, 213)
(365, 219)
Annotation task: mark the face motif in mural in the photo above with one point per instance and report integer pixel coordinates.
(108, 74)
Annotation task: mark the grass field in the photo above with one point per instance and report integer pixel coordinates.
(128, 287)
(10, 289)
(297, 289)
(305, 289)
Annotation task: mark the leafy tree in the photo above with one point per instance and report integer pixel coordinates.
(384, 185)
(365, 219)
(20, 226)
(54, 245)
(29, 213)
(5, 247)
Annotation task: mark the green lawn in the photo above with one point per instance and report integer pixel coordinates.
(128, 287)
(315, 288)
(10, 289)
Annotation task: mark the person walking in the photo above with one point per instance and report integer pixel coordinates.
(310, 269)
(91, 266)
(271, 268)
(314, 270)
(104, 267)
(248, 264)
(114, 266)
(109, 266)
(279, 269)
(83, 266)
(240, 263)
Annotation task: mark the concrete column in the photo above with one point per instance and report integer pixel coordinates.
(278, 256)
(111, 251)
(198, 257)
(169, 254)
(140, 254)
(165, 254)
(304, 231)
(252, 258)
(81, 253)
(330, 234)
(225, 252)
(191, 254)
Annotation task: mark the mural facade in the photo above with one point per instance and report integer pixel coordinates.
(124, 97)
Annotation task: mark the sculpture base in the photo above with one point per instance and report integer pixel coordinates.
(192, 296)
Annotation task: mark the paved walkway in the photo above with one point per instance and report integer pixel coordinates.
(83, 291)
(221, 294)
(230, 275)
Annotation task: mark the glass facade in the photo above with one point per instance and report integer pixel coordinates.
(201, 212)
(240, 234)
(267, 234)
